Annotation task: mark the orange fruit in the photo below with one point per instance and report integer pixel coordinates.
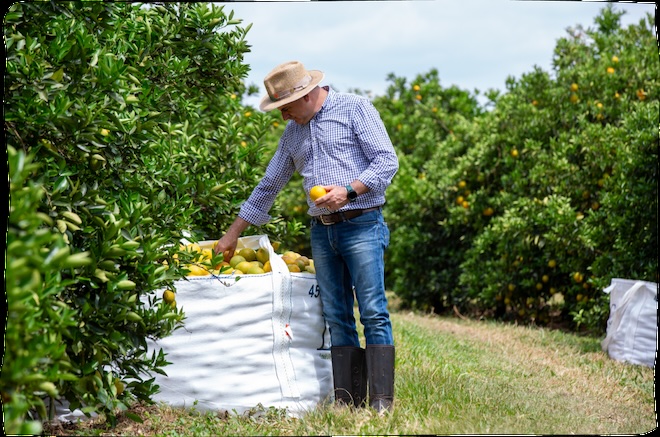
(255, 270)
(168, 296)
(196, 270)
(243, 266)
(248, 253)
(235, 260)
(316, 192)
(578, 277)
(262, 255)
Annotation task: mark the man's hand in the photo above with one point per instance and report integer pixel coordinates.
(334, 199)
(337, 196)
(226, 247)
(227, 244)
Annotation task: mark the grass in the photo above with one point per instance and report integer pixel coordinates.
(453, 376)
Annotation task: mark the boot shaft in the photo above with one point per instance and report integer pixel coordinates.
(380, 371)
(349, 371)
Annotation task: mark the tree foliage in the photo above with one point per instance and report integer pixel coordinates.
(527, 210)
(124, 129)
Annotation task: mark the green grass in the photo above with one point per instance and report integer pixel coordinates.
(454, 376)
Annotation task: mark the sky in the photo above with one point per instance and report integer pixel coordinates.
(474, 44)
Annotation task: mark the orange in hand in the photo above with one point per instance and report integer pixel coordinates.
(316, 192)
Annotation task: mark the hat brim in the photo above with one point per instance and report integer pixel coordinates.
(268, 105)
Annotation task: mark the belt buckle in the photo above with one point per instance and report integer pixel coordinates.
(322, 220)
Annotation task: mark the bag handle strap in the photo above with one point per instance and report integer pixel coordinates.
(282, 309)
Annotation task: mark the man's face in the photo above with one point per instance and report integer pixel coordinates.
(298, 111)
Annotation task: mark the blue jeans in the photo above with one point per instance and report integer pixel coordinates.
(346, 255)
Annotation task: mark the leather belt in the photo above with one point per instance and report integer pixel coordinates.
(342, 216)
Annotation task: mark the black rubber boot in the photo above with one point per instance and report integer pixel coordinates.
(380, 368)
(349, 372)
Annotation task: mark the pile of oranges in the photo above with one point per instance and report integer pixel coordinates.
(245, 261)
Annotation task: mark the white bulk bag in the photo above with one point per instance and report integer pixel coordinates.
(632, 327)
(260, 340)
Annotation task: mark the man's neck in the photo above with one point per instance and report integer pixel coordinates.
(320, 94)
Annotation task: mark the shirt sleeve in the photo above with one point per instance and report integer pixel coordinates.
(377, 147)
(278, 173)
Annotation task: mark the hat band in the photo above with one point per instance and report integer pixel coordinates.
(297, 87)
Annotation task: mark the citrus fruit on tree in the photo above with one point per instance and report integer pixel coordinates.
(578, 277)
(119, 386)
(168, 296)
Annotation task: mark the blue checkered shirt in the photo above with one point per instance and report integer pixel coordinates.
(344, 141)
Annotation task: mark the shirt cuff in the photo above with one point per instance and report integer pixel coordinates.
(253, 216)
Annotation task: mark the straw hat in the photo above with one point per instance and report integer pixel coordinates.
(288, 82)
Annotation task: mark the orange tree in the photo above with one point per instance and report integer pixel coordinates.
(124, 128)
(526, 211)
(422, 117)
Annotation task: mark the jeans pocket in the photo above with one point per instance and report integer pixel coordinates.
(369, 218)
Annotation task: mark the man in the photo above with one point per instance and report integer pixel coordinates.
(337, 141)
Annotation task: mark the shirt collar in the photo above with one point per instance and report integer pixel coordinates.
(328, 99)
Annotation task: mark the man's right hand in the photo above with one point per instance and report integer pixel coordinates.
(226, 247)
(227, 244)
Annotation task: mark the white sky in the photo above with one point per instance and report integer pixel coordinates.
(474, 44)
